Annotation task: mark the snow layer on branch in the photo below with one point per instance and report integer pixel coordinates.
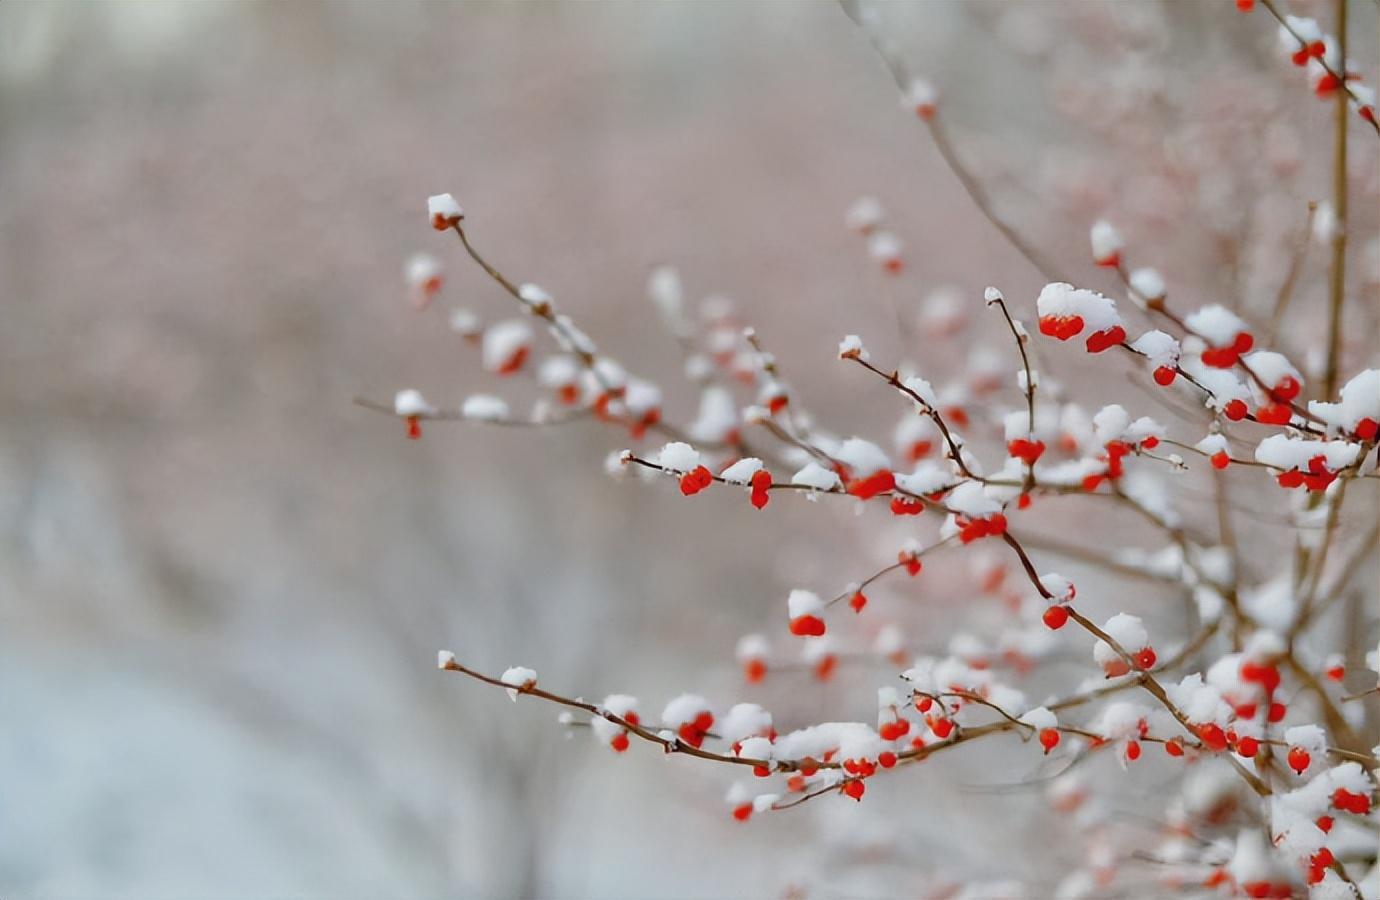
(971, 500)
(1126, 630)
(1063, 300)
(1360, 399)
(412, 403)
(850, 740)
(1110, 423)
(1283, 452)
(816, 476)
(518, 677)
(1040, 718)
(558, 371)
(927, 478)
(862, 457)
(744, 720)
(1215, 324)
(1160, 348)
(678, 456)
(1272, 367)
(484, 408)
(742, 471)
(641, 397)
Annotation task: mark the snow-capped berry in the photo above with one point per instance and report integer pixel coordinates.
(443, 211)
(1107, 244)
(1129, 632)
(612, 733)
(1224, 332)
(886, 248)
(506, 345)
(805, 609)
(751, 653)
(921, 98)
(1357, 411)
(690, 717)
(864, 215)
(424, 277)
(1065, 311)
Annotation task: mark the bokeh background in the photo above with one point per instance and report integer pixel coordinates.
(223, 585)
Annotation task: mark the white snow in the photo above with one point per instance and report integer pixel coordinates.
(1360, 399)
(813, 475)
(751, 646)
(852, 346)
(741, 472)
(744, 720)
(443, 208)
(865, 214)
(1148, 283)
(1216, 324)
(804, 603)
(411, 403)
(678, 456)
(1062, 300)
(862, 457)
(922, 389)
(1283, 452)
(683, 709)
(1159, 348)
(503, 341)
(1106, 241)
(971, 500)
(484, 408)
(518, 677)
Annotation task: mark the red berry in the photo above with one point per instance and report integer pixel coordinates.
(1276, 713)
(1165, 375)
(1325, 823)
(942, 728)
(619, 742)
(1145, 659)
(1243, 343)
(1132, 751)
(1235, 410)
(1336, 673)
(1290, 479)
(414, 428)
(1049, 739)
(1299, 759)
(1055, 617)
(742, 813)
(807, 626)
(694, 481)
(1245, 5)
(1174, 747)
(904, 506)
(1220, 459)
(854, 788)
(1274, 414)
(857, 601)
(1212, 736)
(1366, 429)
(1248, 747)
(886, 759)
(761, 484)
(754, 670)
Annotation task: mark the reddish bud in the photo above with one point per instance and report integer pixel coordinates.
(1174, 747)
(414, 427)
(1336, 673)
(761, 484)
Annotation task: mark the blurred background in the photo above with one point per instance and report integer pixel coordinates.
(223, 586)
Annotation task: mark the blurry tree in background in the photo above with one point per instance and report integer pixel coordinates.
(224, 585)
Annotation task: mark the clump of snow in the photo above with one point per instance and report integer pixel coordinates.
(804, 603)
(534, 295)
(558, 371)
(851, 347)
(1215, 324)
(443, 211)
(445, 659)
(741, 472)
(1061, 300)
(683, 709)
(484, 408)
(815, 476)
(744, 720)
(1106, 241)
(1128, 631)
(518, 677)
(1159, 348)
(620, 705)
(971, 500)
(678, 456)
(751, 646)
(411, 403)
(865, 214)
(1360, 399)
(862, 457)
(1148, 283)
(1282, 452)
(465, 322)
(504, 344)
